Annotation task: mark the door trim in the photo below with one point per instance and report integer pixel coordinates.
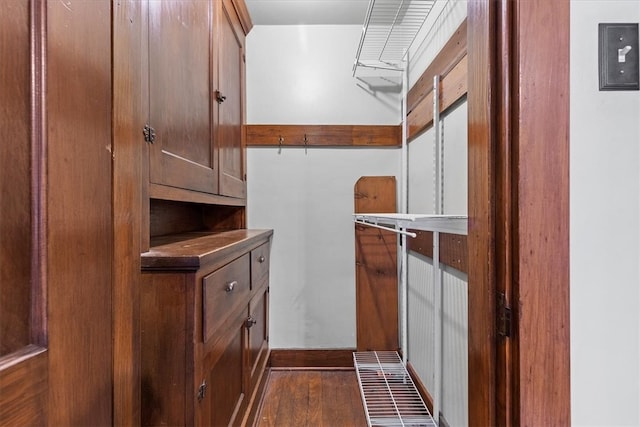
(519, 211)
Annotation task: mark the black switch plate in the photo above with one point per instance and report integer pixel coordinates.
(618, 56)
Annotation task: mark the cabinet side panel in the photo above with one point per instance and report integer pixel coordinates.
(163, 348)
(79, 219)
(130, 113)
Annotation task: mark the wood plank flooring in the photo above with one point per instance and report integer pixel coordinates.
(312, 398)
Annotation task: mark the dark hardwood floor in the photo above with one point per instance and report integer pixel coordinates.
(313, 398)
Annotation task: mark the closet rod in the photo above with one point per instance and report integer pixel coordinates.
(395, 230)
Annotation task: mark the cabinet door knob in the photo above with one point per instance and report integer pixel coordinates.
(220, 97)
(261, 259)
(250, 322)
(230, 286)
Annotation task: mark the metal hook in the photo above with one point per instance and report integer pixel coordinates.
(305, 143)
(280, 142)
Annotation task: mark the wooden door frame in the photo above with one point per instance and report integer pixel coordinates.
(130, 112)
(519, 211)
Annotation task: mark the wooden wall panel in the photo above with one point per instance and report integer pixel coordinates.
(376, 268)
(453, 87)
(452, 53)
(453, 248)
(451, 65)
(79, 212)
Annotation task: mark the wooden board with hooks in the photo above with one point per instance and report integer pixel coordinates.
(323, 135)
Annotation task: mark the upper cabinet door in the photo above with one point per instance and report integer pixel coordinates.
(230, 100)
(182, 154)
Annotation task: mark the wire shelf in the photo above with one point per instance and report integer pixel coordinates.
(454, 224)
(390, 27)
(389, 396)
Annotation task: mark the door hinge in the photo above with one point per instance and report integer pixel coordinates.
(202, 390)
(504, 320)
(149, 134)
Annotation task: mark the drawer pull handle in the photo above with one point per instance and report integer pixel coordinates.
(230, 286)
(250, 322)
(261, 259)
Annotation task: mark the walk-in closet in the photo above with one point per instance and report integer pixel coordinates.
(319, 213)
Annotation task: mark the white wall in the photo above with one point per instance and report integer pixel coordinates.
(302, 75)
(299, 74)
(605, 229)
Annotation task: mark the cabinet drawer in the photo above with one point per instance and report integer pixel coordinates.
(259, 263)
(223, 291)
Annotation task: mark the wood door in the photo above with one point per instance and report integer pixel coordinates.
(56, 222)
(230, 97)
(258, 330)
(223, 400)
(182, 154)
(23, 353)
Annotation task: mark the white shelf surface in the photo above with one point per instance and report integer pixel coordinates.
(454, 224)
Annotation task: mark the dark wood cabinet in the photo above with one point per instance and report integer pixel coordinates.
(223, 400)
(258, 339)
(204, 327)
(182, 153)
(195, 71)
(204, 285)
(230, 96)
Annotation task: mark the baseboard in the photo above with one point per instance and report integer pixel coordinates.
(424, 393)
(312, 358)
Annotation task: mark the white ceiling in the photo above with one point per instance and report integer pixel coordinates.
(307, 12)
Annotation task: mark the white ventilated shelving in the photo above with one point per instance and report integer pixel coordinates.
(390, 26)
(401, 224)
(389, 396)
(453, 224)
(389, 29)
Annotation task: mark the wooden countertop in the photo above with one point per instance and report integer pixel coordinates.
(193, 251)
